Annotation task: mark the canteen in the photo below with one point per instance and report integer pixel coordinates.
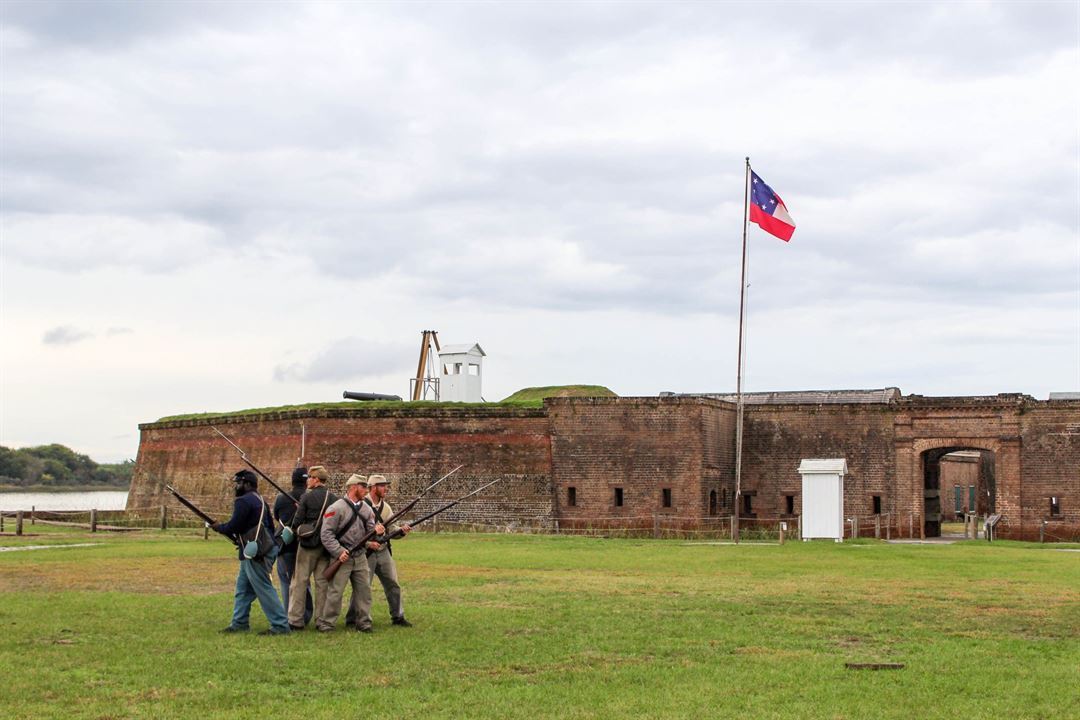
(251, 549)
(287, 535)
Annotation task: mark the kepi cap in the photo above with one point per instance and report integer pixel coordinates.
(355, 479)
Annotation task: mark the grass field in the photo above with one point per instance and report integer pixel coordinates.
(511, 626)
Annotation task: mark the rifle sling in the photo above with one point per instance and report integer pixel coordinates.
(353, 519)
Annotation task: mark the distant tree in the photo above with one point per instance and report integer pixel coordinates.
(13, 463)
(57, 465)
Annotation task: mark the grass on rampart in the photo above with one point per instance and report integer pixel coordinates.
(511, 626)
(525, 398)
(537, 394)
(352, 405)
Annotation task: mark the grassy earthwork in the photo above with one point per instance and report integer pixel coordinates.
(513, 626)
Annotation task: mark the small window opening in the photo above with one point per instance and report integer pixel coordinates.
(789, 504)
(712, 502)
(571, 496)
(877, 504)
(666, 497)
(748, 505)
(457, 368)
(618, 497)
(474, 369)
(1055, 506)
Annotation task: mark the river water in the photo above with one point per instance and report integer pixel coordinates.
(88, 500)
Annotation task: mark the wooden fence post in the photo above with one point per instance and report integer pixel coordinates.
(911, 525)
(33, 514)
(205, 531)
(798, 525)
(888, 526)
(656, 525)
(1042, 531)
(18, 522)
(164, 517)
(1, 521)
(877, 527)
(733, 531)
(782, 524)
(93, 520)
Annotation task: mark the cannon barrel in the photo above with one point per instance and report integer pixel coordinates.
(369, 396)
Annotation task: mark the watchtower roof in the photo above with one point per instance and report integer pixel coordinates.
(466, 349)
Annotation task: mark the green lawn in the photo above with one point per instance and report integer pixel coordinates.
(512, 626)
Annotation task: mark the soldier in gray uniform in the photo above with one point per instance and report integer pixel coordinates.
(345, 523)
(381, 563)
(311, 558)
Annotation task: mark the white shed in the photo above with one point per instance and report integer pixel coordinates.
(823, 498)
(462, 369)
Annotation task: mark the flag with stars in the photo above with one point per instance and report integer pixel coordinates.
(768, 210)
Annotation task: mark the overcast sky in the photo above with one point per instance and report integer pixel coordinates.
(218, 206)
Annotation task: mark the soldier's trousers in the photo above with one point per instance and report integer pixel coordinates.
(381, 564)
(308, 561)
(355, 573)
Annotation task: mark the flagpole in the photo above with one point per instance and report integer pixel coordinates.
(738, 374)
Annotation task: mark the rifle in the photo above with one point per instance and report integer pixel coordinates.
(303, 440)
(201, 515)
(335, 565)
(400, 533)
(244, 457)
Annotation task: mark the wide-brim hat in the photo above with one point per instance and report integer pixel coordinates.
(377, 480)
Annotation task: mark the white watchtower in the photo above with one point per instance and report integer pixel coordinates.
(461, 373)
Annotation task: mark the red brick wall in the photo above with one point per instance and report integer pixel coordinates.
(776, 438)
(641, 445)
(412, 448)
(719, 457)
(962, 471)
(1050, 463)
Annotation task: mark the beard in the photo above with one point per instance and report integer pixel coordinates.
(240, 490)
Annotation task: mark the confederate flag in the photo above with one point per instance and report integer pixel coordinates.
(768, 210)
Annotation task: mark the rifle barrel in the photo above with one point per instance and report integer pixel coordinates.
(199, 513)
(253, 466)
(399, 533)
(335, 564)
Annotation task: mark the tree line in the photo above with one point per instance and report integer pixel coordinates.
(59, 466)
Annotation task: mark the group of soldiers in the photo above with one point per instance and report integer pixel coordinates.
(310, 528)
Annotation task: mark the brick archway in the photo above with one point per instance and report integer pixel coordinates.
(933, 488)
(927, 426)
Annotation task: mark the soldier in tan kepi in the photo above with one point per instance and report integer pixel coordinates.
(381, 562)
(311, 559)
(345, 524)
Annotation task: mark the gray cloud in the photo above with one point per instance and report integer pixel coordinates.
(65, 335)
(580, 160)
(348, 359)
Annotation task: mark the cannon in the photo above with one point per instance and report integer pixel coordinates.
(369, 396)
